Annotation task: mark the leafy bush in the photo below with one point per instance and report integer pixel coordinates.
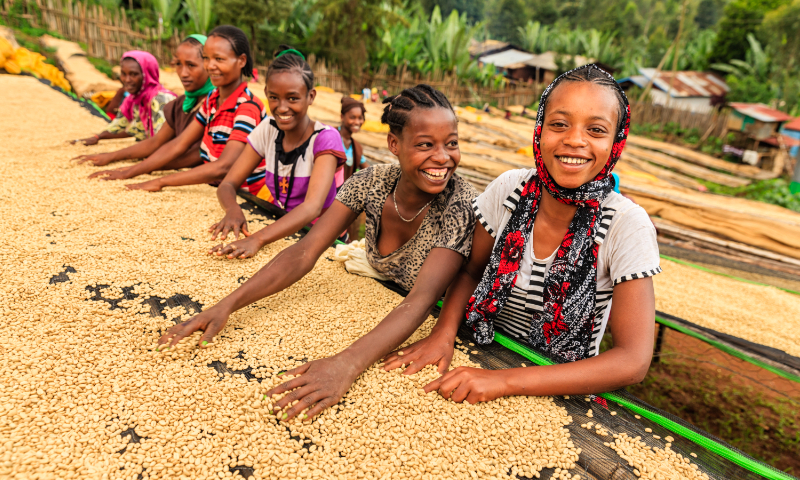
(775, 192)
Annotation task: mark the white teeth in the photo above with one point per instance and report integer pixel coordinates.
(572, 160)
(284, 117)
(435, 173)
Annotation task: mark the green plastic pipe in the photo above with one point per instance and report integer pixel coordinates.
(726, 452)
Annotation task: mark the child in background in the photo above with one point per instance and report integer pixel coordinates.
(178, 114)
(227, 115)
(555, 248)
(423, 213)
(141, 113)
(353, 113)
(290, 161)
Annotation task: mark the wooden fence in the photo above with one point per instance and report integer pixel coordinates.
(104, 34)
(712, 123)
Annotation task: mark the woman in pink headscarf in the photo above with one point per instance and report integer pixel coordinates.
(141, 113)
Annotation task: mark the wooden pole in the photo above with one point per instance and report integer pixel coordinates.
(677, 52)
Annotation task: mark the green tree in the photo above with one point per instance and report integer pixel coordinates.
(201, 14)
(708, 13)
(741, 18)
(472, 8)
(505, 18)
(249, 14)
(781, 31)
(749, 79)
(350, 29)
(535, 37)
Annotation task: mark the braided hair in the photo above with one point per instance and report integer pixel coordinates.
(239, 44)
(593, 74)
(195, 43)
(398, 111)
(291, 61)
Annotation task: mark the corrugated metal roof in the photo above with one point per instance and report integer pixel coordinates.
(547, 61)
(477, 49)
(506, 58)
(760, 112)
(687, 84)
(793, 125)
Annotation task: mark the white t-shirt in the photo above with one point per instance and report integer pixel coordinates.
(628, 250)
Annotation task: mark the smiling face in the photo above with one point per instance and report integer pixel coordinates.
(578, 132)
(131, 75)
(189, 66)
(353, 119)
(428, 148)
(224, 67)
(288, 99)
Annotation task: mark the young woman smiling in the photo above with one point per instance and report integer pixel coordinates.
(557, 257)
(141, 113)
(226, 116)
(178, 114)
(418, 233)
(290, 161)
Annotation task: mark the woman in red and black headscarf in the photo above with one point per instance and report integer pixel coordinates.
(554, 247)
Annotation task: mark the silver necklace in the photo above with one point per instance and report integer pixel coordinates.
(394, 198)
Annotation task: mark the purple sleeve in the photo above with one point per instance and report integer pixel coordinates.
(329, 141)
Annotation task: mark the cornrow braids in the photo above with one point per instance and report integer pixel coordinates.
(398, 111)
(195, 43)
(288, 62)
(593, 74)
(239, 44)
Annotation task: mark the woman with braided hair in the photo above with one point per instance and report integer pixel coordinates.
(419, 224)
(553, 247)
(289, 161)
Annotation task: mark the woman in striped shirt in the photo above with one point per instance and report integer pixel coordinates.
(226, 117)
(553, 247)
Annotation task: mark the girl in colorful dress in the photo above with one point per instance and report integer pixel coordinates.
(558, 257)
(289, 161)
(227, 115)
(142, 112)
(418, 233)
(178, 114)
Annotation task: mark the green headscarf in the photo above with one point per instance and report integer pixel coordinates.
(191, 98)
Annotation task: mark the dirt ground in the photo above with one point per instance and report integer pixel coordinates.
(752, 409)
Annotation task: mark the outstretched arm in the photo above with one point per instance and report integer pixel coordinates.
(206, 173)
(283, 270)
(437, 348)
(137, 150)
(168, 152)
(322, 383)
(319, 186)
(632, 324)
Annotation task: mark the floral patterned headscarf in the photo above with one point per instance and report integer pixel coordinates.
(564, 326)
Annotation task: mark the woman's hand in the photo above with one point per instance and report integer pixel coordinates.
(210, 322)
(436, 349)
(321, 384)
(233, 221)
(149, 186)
(115, 174)
(96, 159)
(244, 248)
(87, 141)
(471, 384)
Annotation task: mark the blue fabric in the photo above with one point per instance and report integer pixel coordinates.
(616, 182)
